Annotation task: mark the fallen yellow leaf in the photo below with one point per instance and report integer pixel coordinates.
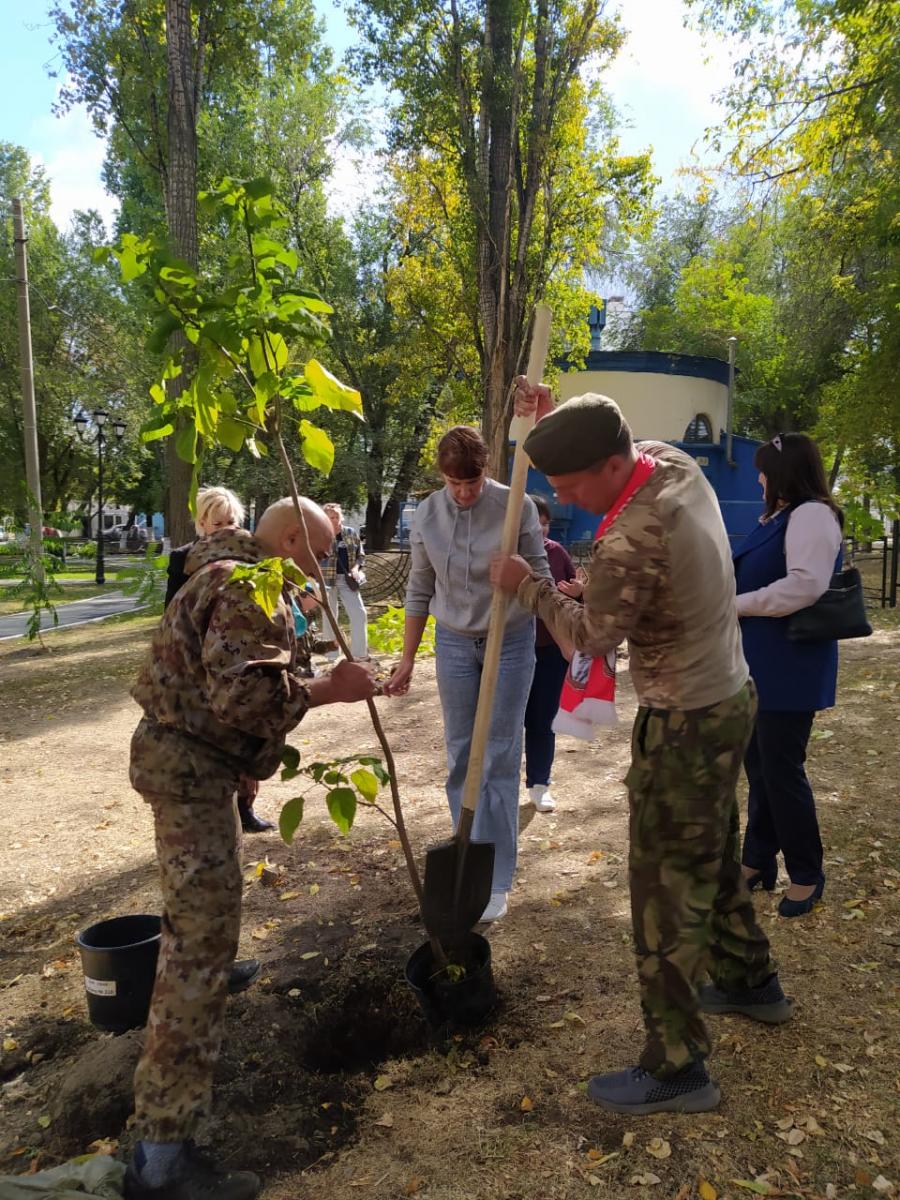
(706, 1191)
(314, 889)
(10, 1044)
(526, 1104)
(382, 1083)
(289, 895)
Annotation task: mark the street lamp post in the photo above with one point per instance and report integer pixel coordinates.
(81, 423)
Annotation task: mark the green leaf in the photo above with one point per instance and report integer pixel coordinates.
(289, 259)
(193, 489)
(155, 429)
(162, 331)
(365, 783)
(290, 756)
(317, 447)
(186, 441)
(330, 391)
(341, 803)
(230, 433)
(268, 355)
(290, 817)
(158, 394)
(264, 581)
(257, 188)
(295, 301)
(207, 416)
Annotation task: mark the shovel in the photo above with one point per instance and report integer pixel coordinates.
(459, 873)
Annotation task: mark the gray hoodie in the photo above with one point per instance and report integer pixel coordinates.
(452, 548)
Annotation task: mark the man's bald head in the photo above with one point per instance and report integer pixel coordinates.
(280, 533)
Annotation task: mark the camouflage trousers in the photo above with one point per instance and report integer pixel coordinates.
(198, 848)
(691, 910)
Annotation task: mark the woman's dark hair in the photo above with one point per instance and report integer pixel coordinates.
(794, 473)
(462, 453)
(542, 506)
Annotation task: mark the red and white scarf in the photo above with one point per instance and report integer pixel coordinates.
(588, 698)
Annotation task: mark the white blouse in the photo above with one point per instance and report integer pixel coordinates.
(811, 543)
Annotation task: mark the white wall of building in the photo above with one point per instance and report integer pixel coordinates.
(656, 406)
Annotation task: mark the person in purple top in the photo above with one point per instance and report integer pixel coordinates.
(549, 673)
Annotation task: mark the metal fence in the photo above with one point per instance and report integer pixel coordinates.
(878, 565)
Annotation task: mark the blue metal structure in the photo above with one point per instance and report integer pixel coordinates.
(736, 487)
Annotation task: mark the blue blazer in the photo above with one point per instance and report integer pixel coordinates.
(789, 676)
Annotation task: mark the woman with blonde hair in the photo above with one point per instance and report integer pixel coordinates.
(218, 508)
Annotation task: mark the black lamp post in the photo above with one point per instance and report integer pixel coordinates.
(81, 424)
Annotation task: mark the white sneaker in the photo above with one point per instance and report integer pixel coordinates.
(497, 907)
(542, 798)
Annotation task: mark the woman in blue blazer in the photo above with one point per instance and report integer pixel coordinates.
(786, 564)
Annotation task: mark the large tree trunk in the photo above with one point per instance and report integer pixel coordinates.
(184, 68)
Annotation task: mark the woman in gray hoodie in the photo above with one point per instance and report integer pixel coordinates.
(455, 534)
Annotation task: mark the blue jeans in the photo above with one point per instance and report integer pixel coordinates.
(543, 704)
(459, 662)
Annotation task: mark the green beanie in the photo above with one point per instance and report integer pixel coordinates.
(579, 433)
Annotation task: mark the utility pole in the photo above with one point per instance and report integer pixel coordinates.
(729, 419)
(29, 412)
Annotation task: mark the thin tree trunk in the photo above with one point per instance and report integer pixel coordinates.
(181, 217)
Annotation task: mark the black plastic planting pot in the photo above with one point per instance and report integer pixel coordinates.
(119, 962)
(464, 1004)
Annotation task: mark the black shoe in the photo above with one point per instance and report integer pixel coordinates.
(767, 1003)
(764, 879)
(799, 908)
(193, 1177)
(251, 823)
(637, 1091)
(243, 972)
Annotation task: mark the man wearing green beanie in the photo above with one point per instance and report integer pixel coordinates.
(661, 577)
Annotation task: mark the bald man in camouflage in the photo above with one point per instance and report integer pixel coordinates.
(220, 691)
(661, 576)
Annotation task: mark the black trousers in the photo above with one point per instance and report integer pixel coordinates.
(781, 811)
(543, 702)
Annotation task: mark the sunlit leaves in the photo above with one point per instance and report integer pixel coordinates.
(242, 338)
(266, 580)
(317, 447)
(329, 391)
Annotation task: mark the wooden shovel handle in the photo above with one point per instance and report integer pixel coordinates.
(540, 338)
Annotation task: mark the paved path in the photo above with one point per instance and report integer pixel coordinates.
(79, 612)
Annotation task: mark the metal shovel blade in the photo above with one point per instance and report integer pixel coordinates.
(450, 911)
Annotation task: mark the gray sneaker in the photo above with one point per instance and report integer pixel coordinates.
(766, 1003)
(637, 1091)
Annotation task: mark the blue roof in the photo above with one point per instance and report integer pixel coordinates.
(656, 362)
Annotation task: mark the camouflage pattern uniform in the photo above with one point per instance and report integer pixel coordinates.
(219, 692)
(662, 577)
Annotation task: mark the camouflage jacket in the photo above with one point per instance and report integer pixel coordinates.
(662, 577)
(219, 689)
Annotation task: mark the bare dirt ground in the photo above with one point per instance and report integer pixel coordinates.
(330, 1084)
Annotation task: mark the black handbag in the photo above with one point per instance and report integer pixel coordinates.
(838, 614)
